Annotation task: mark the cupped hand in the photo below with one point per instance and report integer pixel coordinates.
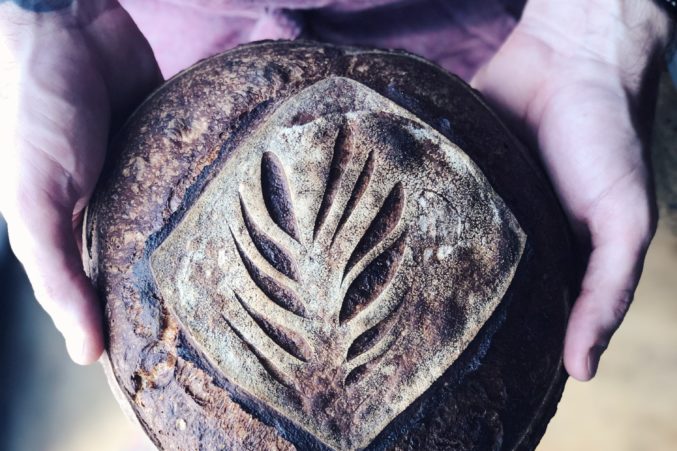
(66, 77)
(579, 79)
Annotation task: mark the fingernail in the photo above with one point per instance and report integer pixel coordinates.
(77, 348)
(593, 359)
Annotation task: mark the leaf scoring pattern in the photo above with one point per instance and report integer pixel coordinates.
(357, 373)
(365, 289)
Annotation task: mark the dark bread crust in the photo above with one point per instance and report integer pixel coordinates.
(499, 395)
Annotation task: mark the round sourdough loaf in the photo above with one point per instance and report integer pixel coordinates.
(305, 246)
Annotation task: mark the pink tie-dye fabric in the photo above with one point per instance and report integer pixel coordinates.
(460, 35)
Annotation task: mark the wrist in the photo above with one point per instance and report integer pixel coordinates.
(65, 27)
(23, 19)
(624, 33)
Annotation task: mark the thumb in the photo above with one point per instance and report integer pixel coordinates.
(43, 238)
(611, 276)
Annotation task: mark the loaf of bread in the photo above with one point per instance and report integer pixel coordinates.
(305, 246)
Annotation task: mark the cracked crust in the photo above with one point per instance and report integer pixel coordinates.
(501, 386)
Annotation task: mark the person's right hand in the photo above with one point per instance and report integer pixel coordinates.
(579, 80)
(65, 76)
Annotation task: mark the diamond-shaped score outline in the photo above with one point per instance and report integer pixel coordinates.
(267, 255)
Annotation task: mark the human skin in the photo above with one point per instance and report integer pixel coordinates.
(67, 77)
(579, 79)
(576, 78)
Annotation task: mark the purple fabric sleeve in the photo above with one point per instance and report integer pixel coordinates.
(460, 35)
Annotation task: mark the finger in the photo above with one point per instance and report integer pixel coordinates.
(611, 276)
(42, 237)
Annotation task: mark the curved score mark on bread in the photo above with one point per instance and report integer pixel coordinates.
(291, 342)
(276, 194)
(374, 279)
(357, 373)
(358, 190)
(339, 160)
(267, 365)
(384, 222)
(274, 254)
(280, 295)
(375, 334)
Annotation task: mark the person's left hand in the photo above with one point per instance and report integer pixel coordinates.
(579, 79)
